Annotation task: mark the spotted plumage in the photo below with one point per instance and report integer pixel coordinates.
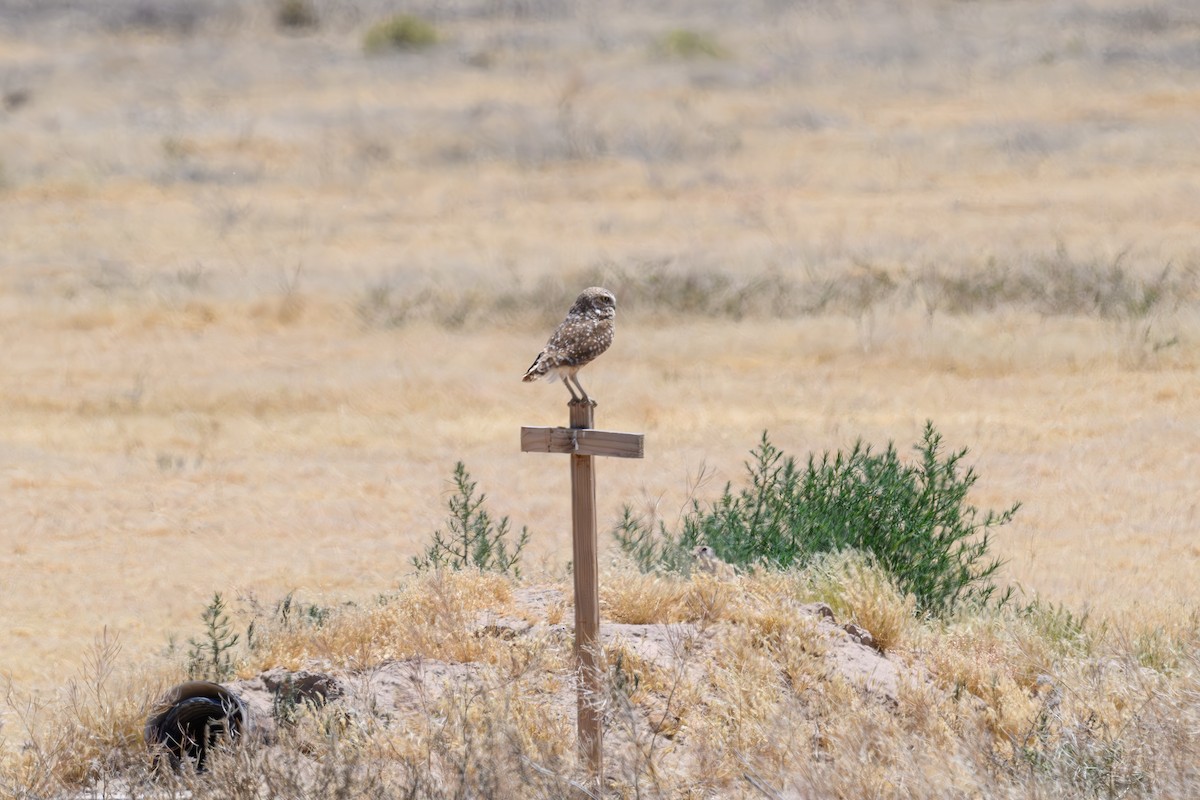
(584, 334)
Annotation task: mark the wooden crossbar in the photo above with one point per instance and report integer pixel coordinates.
(582, 442)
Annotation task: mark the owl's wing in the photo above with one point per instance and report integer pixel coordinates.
(577, 341)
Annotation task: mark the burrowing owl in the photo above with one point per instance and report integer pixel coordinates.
(584, 334)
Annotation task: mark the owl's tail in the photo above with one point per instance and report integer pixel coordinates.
(537, 369)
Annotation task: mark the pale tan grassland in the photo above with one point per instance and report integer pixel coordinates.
(197, 396)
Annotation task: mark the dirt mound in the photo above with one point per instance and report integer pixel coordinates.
(395, 690)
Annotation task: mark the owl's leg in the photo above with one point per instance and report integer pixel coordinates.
(582, 391)
(566, 383)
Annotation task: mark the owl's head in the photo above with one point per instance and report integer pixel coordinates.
(596, 302)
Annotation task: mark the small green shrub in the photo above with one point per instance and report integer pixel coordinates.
(401, 32)
(290, 612)
(1159, 650)
(912, 518)
(475, 539)
(1067, 631)
(688, 45)
(209, 656)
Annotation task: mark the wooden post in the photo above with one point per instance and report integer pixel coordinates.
(583, 443)
(586, 565)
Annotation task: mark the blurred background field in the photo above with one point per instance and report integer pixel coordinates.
(266, 277)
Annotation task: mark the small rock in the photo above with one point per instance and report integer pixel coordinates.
(507, 628)
(821, 610)
(303, 685)
(860, 635)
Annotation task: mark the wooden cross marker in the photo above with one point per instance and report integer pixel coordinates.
(581, 442)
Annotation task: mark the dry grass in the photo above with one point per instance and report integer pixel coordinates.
(999, 703)
(865, 595)
(261, 291)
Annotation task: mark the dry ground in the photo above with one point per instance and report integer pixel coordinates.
(260, 291)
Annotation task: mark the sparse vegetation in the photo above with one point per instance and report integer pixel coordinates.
(474, 539)
(991, 704)
(1053, 288)
(209, 657)
(1061, 284)
(401, 32)
(912, 518)
(686, 44)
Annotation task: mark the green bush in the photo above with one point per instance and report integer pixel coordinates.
(912, 518)
(688, 45)
(401, 32)
(474, 540)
